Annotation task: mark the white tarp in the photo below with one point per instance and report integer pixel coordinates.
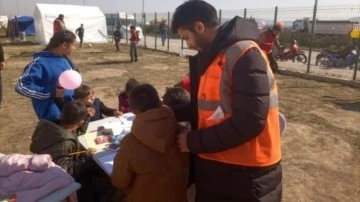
(3, 21)
(93, 19)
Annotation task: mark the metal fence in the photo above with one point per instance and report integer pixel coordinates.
(331, 30)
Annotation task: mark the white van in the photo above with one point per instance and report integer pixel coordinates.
(124, 21)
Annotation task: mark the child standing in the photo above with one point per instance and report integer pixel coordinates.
(134, 39)
(117, 37)
(59, 141)
(123, 96)
(148, 164)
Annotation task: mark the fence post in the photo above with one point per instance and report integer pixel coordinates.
(312, 36)
(126, 28)
(155, 36)
(168, 35)
(220, 16)
(357, 59)
(144, 30)
(245, 13)
(275, 15)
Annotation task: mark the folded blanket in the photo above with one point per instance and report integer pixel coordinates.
(30, 186)
(12, 163)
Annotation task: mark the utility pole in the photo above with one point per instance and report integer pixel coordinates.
(143, 14)
(312, 36)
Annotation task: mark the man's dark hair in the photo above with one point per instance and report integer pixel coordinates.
(60, 37)
(130, 84)
(132, 27)
(189, 12)
(82, 91)
(144, 97)
(73, 112)
(175, 96)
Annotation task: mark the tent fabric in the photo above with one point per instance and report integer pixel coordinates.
(92, 17)
(3, 21)
(25, 24)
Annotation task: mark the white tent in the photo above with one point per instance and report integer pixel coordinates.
(3, 21)
(93, 19)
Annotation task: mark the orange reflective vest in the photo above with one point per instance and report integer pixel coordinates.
(215, 93)
(268, 43)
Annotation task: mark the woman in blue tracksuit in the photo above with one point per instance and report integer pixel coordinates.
(39, 80)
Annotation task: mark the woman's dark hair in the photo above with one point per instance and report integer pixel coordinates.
(189, 12)
(130, 84)
(144, 97)
(82, 91)
(175, 96)
(73, 112)
(60, 37)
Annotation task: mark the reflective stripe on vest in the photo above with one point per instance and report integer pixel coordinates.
(215, 106)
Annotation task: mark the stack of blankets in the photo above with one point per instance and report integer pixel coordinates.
(30, 177)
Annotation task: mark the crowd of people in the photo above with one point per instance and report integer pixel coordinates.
(230, 147)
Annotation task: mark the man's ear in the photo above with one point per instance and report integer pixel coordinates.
(199, 27)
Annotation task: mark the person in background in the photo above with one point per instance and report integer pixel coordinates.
(59, 24)
(175, 96)
(148, 166)
(2, 65)
(268, 39)
(40, 78)
(233, 109)
(117, 37)
(163, 31)
(123, 97)
(80, 32)
(134, 40)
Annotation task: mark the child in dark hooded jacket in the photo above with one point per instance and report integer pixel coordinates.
(59, 141)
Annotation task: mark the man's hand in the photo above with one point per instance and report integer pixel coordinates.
(182, 141)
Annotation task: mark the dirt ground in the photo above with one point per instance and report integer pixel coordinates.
(321, 147)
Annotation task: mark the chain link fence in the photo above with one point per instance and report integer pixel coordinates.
(328, 48)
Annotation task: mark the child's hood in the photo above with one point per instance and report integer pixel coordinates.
(48, 133)
(156, 128)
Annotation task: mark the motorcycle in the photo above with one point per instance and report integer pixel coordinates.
(340, 59)
(294, 54)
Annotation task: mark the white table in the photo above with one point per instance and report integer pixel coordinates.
(103, 157)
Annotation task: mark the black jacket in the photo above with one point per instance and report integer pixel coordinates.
(2, 58)
(250, 87)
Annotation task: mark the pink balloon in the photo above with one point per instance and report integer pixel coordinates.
(70, 79)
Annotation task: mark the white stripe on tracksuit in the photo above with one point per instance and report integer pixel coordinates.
(28, 92)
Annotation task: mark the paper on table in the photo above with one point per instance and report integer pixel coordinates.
(93, 126)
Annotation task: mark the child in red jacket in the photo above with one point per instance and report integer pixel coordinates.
(134, 39)
(123, 96)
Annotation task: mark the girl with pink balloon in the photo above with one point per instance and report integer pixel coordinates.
(49, 74)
